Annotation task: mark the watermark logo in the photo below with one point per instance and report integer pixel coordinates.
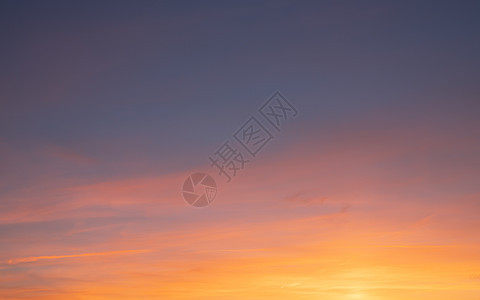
(233, 155)
(199, 189)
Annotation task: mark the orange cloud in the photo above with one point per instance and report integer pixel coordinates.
(36, 258)
(367, 216)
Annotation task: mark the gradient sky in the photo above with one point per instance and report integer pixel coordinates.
(372, 192)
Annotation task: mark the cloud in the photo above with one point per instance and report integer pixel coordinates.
(37, 258)
(305, 198)
(66, 154)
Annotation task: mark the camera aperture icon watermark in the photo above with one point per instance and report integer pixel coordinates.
(234, 155)
(199, 189)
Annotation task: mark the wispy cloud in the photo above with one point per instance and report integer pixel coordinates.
(37, 258)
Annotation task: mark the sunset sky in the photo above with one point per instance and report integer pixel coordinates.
(371, 192)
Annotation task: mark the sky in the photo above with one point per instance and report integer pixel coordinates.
(371, 191)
